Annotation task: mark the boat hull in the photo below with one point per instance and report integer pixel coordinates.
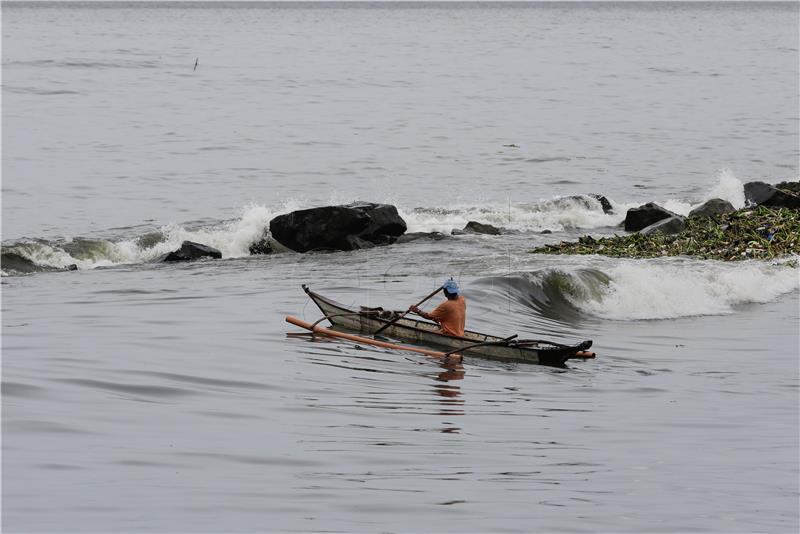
(367, 321)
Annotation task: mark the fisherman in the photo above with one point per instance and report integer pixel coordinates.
(451, 315)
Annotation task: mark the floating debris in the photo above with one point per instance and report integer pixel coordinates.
(760, 233)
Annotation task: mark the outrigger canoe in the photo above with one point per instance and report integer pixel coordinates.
(369, 320)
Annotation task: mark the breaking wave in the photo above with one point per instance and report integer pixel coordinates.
(641, 290)
(728, 187)
(232, 238)
(580, 212)
(551, 293)
(558, 214)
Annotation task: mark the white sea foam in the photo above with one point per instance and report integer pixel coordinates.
(556, 215)
(232, 238)
(648, 290)
(728, 188)
(48, 255)
(560, 213)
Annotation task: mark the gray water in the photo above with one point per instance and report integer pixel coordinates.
(140, 397)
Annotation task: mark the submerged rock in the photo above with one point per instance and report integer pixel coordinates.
(474, 227)
(671, 226)
(266, 245)
(645, 215)
(190, 251)
(763, 194)
(348, 227)
(415, 236)
(712, 208)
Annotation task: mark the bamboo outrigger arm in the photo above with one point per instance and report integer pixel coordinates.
(360, 339)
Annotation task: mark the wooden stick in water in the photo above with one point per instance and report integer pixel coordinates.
(359, 339)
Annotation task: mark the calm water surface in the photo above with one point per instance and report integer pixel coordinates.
(140, 397)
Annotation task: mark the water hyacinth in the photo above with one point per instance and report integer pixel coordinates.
(759, 233)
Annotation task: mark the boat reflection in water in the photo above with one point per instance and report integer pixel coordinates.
(450, 396)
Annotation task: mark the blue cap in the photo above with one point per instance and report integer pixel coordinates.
(451, 287)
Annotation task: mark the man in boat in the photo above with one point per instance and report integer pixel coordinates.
(450, 315)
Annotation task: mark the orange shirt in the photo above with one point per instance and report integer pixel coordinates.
(451, 316)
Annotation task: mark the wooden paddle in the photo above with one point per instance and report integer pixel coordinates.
(418, 304)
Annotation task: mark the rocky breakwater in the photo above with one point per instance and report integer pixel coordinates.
(355, 226)
(768, 227)
(328, 228)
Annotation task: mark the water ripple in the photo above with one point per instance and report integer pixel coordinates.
(18, 389)
(136, 389)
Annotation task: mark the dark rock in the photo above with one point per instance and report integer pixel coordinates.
(763, 194)
(262, 246)
(670, 226)
(644, 216)
(474, 227)
(318, 228)
(712, 208)
(385, 224)
(266, 245)
(606, 205)
(357, 243)
(414, 236)
(71, 267)
(349, 227)
(546, 231)
(190, 251)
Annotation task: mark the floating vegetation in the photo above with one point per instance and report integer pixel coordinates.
(759, 233)
(789, 187)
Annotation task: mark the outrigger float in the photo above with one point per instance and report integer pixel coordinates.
(394, 325)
